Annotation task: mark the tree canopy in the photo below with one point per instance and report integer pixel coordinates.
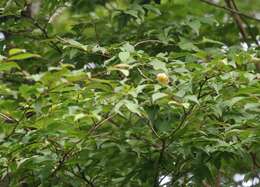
(129, 93)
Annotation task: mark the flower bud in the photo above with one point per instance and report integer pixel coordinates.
(162, 78)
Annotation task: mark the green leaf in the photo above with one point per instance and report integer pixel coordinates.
(15, 51)
(195, 25)
(252, 107)
(192, 98)
(159, 65)
(123, 68)
(125, 72)
(152, 9)
(233, 101)
(187, 45)
(79, 116)
(207, 40)
(158, 95)
(133, 107)
(124, 56)
(74, 43)
(23, 56)
(128, 48)
(7, 66)
(185, 105)
(133, 13)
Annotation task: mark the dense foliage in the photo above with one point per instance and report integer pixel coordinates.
(129, 93)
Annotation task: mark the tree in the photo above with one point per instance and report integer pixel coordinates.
(125, 93)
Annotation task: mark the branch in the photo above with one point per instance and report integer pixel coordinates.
(62, 162)
(185, 116)
(8, 119)
(205, 184)
(239, 22)
(82, 174)
(230, 10)
(244, 21)
(35, 23)
(218, 179)
(157, 165)
(45, 34)
(201, 86)
(253, 157)
(189, 112)
(7, 17)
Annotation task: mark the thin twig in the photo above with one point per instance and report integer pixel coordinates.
(95, 127)
(96, 32)
(150, 41)
(143, 74)
(201, 86)
(152, 129)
